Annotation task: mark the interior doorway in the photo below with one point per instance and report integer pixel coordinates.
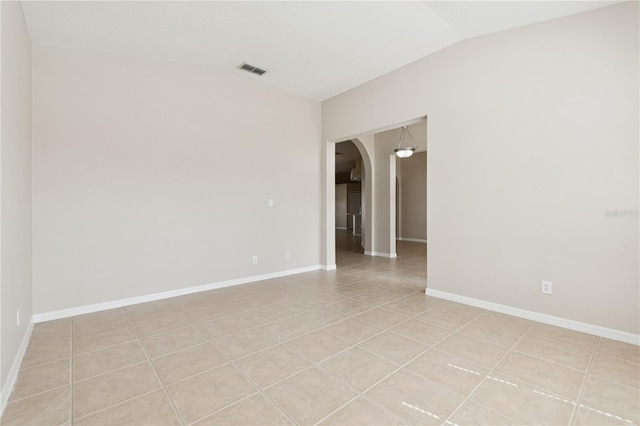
(350, 180)
(378, 219)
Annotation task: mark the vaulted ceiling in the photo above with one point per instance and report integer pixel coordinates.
(313, 48)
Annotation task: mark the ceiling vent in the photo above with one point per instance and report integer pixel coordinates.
(248, 67)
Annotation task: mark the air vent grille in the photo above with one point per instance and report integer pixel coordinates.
(252, 69)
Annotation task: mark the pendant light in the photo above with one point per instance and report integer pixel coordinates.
(402, 150)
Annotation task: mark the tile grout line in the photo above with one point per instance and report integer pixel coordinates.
(155, 372)
(262, 391)
(36, 393)
(587, 374)
(312, 363)
(84, 416)
(71, 386)
(395, 371)
(484, 379)
(230, 362)
(233, 365)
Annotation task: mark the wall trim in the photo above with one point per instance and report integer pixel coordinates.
(343, 228)
(87, 309)
(415, 240)
(12, 377)
(329, 267)
(583, 327)
(380, 254)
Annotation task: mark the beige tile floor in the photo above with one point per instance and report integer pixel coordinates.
(361, 345)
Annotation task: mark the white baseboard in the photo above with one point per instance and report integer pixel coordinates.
(380, 254)
(583, 327)
(329, 267)
(342, 228)
(415, 240)
(87, 309)
(12, 377)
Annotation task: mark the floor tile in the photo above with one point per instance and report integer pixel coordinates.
(188, 362)
(358, 368)
(41, 378)
(286, 328)
(384, 295)
(50, 330)
(593, 417)
(350, 291)
(507, 321)
(622, 350)
(103, 339)
(491, 333)
(478, 351)
(48, 351)
(360, 412)
(151, 409)
(566, 355)
(353, 330)
(271, 365)
(175, 340)
(616, 369)
(407, 306)
(117, 386)
(161, 324)
(207, 313)
(472, 413)
(543, 374)
(521, 402)
(320, 317)
(190, 302)
(255, 410)
(324, 297)
(52, 407)
(563, 335)
(421, 332)
(612, 398)
(244, 343)
(262, 315)
(393, 347)
(310, 396)
(149, 310)
(448, 370)
(414, 399)
(382, 318)
(200, 396)
(102, 361)
(224, 326)
(443, 317)
(99, 321)
(351, 306)
(317, 345)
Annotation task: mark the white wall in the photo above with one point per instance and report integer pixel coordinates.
(533, 135)
(341, 206)
(153, 176)
(412, 173)
(15, 192)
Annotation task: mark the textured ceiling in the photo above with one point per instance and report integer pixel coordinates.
(315, 49)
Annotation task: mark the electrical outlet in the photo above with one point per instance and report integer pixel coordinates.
(18, 318)
(288, 255)
(255, 260)
(547, 287)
